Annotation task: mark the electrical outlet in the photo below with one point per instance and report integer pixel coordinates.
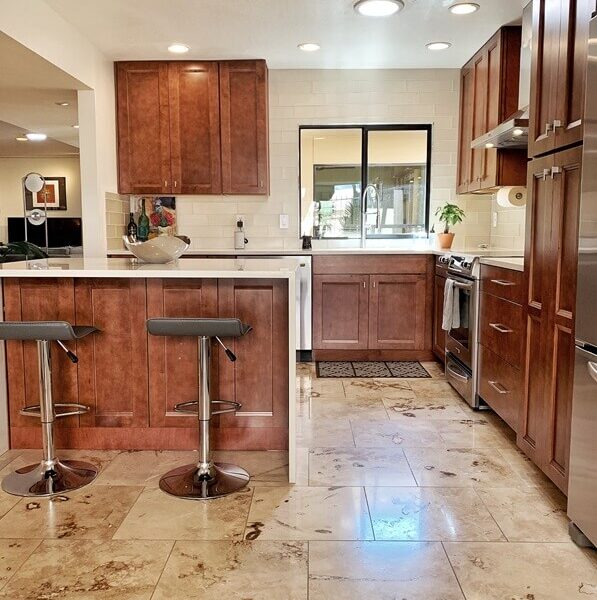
(494, 219)
(240, 218)
(284, 221)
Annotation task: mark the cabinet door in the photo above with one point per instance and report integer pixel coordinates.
(340, 312)
(560, 341)
(244, 123)
(480, 79)
(113, 362)
(258, 379)
(143, 128)
(531, 433)
(397, 312)
(37, 300)
(466, 130)
(544, 75)
(173, 366)
(194, 99)
(572, 70)
(439, 335)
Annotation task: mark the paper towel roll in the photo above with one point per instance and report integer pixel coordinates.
(510, 197)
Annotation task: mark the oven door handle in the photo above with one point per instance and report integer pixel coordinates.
(463, 286)
(455, 374)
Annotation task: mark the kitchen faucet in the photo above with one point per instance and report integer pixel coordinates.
(371, 187)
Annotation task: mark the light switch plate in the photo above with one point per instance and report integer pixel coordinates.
(284, 221)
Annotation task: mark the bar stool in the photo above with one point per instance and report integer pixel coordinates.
(206, 479)
(51, 476)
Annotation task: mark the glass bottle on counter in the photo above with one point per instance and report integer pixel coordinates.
(131, 228)
(143, 226)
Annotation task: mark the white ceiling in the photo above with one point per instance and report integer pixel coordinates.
(10, 148)
(30, 87)
(271, 29)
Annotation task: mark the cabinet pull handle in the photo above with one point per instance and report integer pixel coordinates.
(498, 387)
(501, 328)
(548, 128)
(546, 174)
(555, 171)
(175, 183)
(373, 283)
(364, 284)
(165, 183)
(557, 123)
(504, 282)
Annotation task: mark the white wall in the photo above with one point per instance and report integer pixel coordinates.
(12, 171)
(62, 45)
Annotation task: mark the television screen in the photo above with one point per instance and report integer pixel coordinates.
(62, 231)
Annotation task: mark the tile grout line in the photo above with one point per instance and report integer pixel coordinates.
(411, 469)
(248, 513)
(155, 587)
(490, 513)
(369, 513)
(39, 543)
(453, 570)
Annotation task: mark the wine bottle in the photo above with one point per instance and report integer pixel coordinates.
(131, 228)
(143, 226)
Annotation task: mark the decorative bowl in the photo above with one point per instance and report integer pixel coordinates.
(159, 250)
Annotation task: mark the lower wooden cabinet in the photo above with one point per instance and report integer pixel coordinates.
(372, 307)
(131, 381)
(551, 259)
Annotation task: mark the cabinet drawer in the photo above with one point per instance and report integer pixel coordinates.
(504, 283)
(501, 328)
(500, 385)
(372, 264)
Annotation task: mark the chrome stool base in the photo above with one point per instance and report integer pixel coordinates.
(35, 480)
(184, 482)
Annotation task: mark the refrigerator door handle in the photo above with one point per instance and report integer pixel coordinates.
(592, 367)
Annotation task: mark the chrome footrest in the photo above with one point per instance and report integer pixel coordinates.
(35, 410)
(192, 407)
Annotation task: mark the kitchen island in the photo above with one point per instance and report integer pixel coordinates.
(131, 380)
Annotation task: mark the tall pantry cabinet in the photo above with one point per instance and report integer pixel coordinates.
(560, 34)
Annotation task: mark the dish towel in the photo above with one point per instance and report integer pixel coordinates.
(451, 315)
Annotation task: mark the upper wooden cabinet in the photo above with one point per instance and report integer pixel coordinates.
(243, 102)
(489, 95)
(560, 35)
(188, 127)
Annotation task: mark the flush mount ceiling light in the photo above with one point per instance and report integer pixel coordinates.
(464, 8)
(309, 47)
(178, 48)
(61, 103)
(21, 138)
(438, 46)
(36, 137)
(518, 132)
(378, 8)
(490, 145)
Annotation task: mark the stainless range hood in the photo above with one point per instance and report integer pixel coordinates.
(514, 132)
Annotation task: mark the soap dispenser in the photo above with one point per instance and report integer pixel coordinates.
(239, 236)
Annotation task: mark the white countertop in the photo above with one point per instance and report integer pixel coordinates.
(513, 263)
(220, 268)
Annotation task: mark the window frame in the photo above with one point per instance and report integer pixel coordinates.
(365, 129)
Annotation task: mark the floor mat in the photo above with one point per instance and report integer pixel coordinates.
(401, 369)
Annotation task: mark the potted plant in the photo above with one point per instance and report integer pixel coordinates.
(450, 215)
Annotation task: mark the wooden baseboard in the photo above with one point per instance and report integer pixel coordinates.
(156, 438)
(425, 355)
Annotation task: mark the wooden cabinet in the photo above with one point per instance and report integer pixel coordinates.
(439, 335)
(558, 76)
(502, 329)
(372, 307)
(489, 95)
(113, 378)
(551, 257)
(143, 128)
(190, 127)
(194, 103)
(243, 101)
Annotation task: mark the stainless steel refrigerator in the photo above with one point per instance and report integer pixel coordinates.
(582, 487)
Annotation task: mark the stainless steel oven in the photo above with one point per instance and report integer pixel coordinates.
(461, 341)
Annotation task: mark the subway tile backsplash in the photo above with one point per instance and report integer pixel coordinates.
(324, 97)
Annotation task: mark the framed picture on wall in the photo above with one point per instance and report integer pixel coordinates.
(53, 195)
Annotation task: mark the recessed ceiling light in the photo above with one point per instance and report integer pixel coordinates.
(75, 126)
(518, 132)
(438, 45)
(464, 8)
(178, 48)
(378, 8)
(36, 137)
(21, 138)
(309, 47)
(489, 145)
(62, 103)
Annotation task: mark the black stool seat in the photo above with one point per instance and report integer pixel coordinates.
(198, 327)
(43, 330)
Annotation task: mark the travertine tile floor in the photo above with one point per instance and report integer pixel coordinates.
(404, 493)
